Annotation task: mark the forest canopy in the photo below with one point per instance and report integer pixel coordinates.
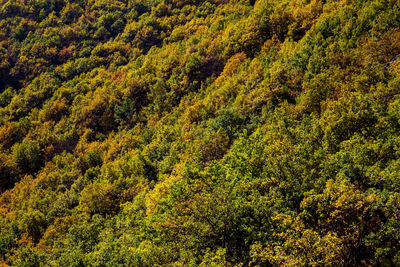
(199, 133)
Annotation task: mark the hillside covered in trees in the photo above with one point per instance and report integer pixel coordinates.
(199, 133)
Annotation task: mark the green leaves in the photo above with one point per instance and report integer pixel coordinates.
(211, 133)
(28, 156)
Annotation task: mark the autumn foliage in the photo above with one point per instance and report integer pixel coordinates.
(199, 133)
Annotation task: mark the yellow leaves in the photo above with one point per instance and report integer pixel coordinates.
(345, 211)
(124, 143)
(305, 14)
(175, 117)
(96, 115)
(192, 28)
(340, 196)
(105, 4)
(194, 113)
(272, 43)
(216, 259)
(7, 133)
(100, 197)
(118, 77)
(69, 34)
(57, 231)
(231, 67)
(396, 67)
(160, 192)
(298, 246)
(18, 194)
(111, 49)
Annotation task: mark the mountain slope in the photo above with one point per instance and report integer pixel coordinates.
(184, 132)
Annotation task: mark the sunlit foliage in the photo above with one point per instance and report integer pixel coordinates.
(210, 133)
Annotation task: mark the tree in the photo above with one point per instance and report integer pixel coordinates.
(28, 156)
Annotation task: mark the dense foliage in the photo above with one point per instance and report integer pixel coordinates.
(211, 133)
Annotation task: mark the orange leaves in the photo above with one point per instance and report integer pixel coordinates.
(58, 109)
(97, 116)
(65, 53)
(231, 66)
(9, 133)
(56, 231)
